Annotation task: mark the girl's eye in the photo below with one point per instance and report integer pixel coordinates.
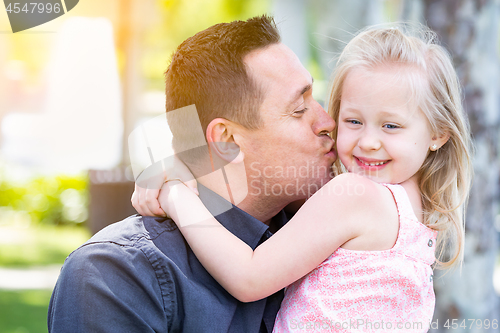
(391, 126)
(353, 121)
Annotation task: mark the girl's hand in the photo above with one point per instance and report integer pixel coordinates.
(183, 206)
(148, 184)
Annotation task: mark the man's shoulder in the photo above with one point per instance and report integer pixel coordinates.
(131, 229)
(127, 238)
(119, 268)
(135, 249)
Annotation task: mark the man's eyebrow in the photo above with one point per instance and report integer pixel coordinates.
(302, 91)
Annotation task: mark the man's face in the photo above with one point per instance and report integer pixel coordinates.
(291, 155)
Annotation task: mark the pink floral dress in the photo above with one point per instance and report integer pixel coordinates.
(368, 291)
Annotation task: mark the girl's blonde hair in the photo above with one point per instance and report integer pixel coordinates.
(446, 174)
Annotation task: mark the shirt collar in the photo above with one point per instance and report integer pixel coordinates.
(240, 223)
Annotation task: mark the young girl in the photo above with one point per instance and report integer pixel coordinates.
(358, 254)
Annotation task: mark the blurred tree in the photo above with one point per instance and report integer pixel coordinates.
(335, 23)
(469, 30)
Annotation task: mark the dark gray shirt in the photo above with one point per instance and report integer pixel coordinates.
(140, 275)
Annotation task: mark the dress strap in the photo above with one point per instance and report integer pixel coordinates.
(415, 239)
(405, 209)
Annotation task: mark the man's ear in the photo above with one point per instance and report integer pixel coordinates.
(221, 141)
(438, 141)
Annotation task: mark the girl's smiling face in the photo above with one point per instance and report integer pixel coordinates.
(381, 132)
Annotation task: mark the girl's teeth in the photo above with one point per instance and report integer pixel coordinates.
(374, 164)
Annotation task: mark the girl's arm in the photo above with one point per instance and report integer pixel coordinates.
(334, 215)
(148, 184)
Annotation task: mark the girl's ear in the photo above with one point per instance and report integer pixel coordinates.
(221, 140)
(438, 141)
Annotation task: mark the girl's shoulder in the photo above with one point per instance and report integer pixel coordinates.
(354, 185)
(360, 196)
(370, 207)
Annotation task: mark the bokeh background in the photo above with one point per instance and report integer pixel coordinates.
(72, 90)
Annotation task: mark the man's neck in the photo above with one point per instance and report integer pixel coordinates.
(261, 206)
(262, 209)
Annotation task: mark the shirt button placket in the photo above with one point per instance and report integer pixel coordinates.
(430, 243)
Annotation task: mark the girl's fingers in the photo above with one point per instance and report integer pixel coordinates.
(145, 211)
(145, 198)
(192, 185)
(152, 203)
(135, 200)
(139, 201)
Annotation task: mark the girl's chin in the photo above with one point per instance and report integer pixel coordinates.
(374, 178)
(373, 175)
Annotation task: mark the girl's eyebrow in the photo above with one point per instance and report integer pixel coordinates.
(390, 114)
(382, 114)
(349, 109)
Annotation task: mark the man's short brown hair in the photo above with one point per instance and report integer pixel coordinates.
(207, 70)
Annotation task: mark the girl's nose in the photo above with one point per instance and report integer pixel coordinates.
(369, 140)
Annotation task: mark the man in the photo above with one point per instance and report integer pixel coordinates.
(252, 95)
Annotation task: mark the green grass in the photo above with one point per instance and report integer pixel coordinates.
(39, 245)
(24, 311)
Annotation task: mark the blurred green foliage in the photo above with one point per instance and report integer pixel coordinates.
(181, 19)
(55, 200)
(39, 245)
(24, 311)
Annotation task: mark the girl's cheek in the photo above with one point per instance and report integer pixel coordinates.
(343, 142)
(343, 155)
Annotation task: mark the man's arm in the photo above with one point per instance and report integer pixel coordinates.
(107, 287)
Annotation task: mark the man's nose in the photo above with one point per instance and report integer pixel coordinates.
(324, 123)
(369, 139)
